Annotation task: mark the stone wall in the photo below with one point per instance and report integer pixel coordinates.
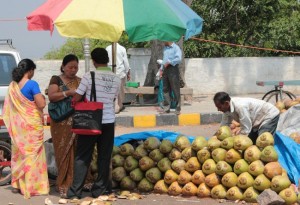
(205, 75)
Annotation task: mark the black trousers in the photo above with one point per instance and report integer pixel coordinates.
(83, 157)
(171, 83)
(268, 127)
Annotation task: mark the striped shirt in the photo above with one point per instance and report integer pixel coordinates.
(107, 89)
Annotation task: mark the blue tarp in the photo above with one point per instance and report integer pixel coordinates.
(160, 134)
(288, 150)
(288, 156)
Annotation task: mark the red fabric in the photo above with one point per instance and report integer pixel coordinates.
(37, 20)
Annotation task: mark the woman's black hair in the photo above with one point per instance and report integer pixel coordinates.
(68, 58)
(221, 97)
(23, 67)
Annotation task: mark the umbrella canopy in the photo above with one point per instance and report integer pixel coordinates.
(143, 20)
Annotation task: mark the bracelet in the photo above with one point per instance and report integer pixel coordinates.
(64, 94)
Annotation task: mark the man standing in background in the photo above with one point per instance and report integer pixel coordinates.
(171, 59)
(122, 70)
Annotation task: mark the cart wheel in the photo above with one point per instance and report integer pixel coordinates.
(5, 163)
(273, 96)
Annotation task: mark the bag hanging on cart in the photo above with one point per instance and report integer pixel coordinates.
(87, 118)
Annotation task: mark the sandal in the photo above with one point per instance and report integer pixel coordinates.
(15, 191)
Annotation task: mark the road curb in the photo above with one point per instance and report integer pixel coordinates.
(168, 119)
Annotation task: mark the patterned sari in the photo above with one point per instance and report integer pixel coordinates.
(28, 162)
(64, 144)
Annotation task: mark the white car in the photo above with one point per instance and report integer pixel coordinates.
(9, 59)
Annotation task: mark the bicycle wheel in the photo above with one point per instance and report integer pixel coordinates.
(5, 169)
(273, 96)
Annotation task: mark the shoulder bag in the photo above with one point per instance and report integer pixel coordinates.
(62, 109)
(87, 118)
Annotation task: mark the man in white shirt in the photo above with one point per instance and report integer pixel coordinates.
(255, 116)
(122, 70)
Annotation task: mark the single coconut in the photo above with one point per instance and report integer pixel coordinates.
(245, 180)
(227, 143)
(153, 175)
(170, 176)
(218, 192)
(269, 154)
(272, 169)
(192, 165)
(146, 163)
(189, 189)
(164, 164)
(203, 155)
(232, 156)
(213, 143)
(250, 195)
(222, 168)
(145, 185)
(175, 189)
(212, 180)
(265, 139)
(242, 142)
(198, 177)
(130, 163)
(174, 154)
(156, 155)
(252, 154)
(234, 193)
(229, 179)
(136, 175)
(182, 142)
(166, 146)
(218, 154)
(288, 195)
(127, 183)
(223, 132)
(199, 143)
(118, 173)
(203, 191)
(187, 153)
(280, 182)
(178, 165)
(240, 166)
(117, 161)
(126, 149)
(184, 177)
(261, 182)
(256, 168)
(161, 187)
(151, 143)
(209, 166)
(140, 152)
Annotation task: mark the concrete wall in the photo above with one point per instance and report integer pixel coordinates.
(204, 75)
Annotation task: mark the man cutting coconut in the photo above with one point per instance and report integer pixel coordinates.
(255, 116)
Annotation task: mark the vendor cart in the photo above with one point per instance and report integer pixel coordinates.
(278, 93)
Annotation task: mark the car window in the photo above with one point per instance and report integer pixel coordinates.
(7, 64)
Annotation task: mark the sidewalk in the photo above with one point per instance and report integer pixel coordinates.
(201, 110)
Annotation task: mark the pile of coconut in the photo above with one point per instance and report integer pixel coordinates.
(222, 167)
(286, 104)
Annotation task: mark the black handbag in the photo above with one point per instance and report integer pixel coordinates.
(60, 110)
(87, 118)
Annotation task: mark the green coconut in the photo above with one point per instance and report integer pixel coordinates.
(170, 176)
(146, 163)
(218, 154)
(117, 161)
(130, 163)
(242, 142)
(175, 189)
(288, 195)
(261, 182)
(136, 175)
(118, 173)
(240, 166)
(127, 183)
(223, 132)
(161, 187)
(151, 143)
(153, 175)
(187, 153)
(156, 155)
(227, 143)
(213, 143)
(140, 152)
(273, 169)
(164, 164)
(189, 189)
(250, 195)
(145, 185)
(218, 192)
(182, 142)
(256, 168)
(178, 165)
(203, 155)
(269, 154)
(230, 179)
(203, 191)
(280, 183)
(245, 180)
(232, 156)
(198, 177)
(252, 154)
(126, 149)
(165, 146)
(212, 180)
(184, 177)
(199, 143)
(192, 165)
(234, 193)
(265, 139)
(209, 166)
(116, 150)
(222, 168)
(174, 154)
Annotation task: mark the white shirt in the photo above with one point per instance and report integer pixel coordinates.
(122, 65)
(251, 113)
(107, 88)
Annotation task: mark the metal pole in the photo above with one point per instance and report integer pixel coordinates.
(114, 54)
(86, 51)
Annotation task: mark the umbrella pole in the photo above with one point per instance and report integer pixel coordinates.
(86, 51)
(113, 54)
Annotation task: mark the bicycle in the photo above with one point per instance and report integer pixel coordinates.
(278, 94)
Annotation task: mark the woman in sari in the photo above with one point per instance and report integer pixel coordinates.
(62, 137)
(22, 115)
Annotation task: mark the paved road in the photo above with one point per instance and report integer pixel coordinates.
(6, 196)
